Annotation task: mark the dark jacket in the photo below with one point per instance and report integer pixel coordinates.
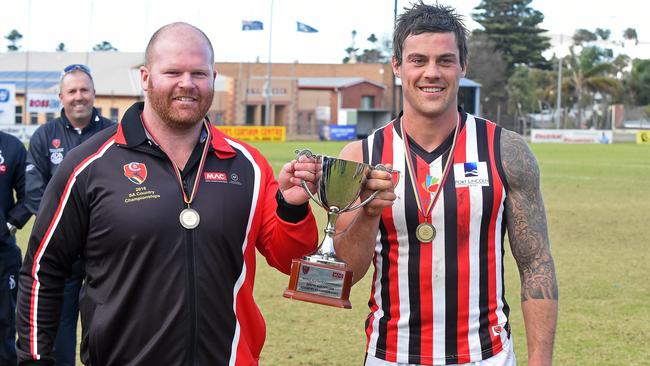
(155, 292)
(12, 179)
(49, 144)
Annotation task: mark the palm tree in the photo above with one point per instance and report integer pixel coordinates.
(589, 74)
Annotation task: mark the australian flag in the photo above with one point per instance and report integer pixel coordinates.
(252, 25)
(302, 27)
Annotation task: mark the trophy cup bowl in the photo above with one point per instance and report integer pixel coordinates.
(321, 277)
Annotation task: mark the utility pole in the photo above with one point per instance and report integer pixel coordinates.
(394, 106)
(558, 102)
(267, 85)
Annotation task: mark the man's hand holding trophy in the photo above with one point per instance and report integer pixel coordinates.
(322, 277)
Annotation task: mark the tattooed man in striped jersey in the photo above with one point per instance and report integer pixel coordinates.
(435, 236)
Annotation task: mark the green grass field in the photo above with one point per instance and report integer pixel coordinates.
(598, 203)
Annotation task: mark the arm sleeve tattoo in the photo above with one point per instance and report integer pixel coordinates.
(526, 220)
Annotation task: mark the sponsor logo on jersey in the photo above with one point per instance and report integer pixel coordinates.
(135, 172)
(3, 167)
(471, 174)
(211, 177)
(56, 143)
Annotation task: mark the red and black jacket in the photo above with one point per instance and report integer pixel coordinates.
(156, 293)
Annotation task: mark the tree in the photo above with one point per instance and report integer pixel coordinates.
(589, 72)
(351, 51)
(487, 67)
(514, 28)
(583, 36)
(376, 54)
(603, 33)
(521, 90)
(61, 47)
(630, 34)
(13, 37)
(638, 82)
(104, 46)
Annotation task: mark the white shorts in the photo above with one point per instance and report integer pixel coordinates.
(504, 358)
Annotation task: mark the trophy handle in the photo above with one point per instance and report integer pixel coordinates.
(311, 195)
(308, 154)
(372, 196)
(375, 193)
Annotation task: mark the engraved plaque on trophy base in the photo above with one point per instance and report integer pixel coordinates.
(320, 283)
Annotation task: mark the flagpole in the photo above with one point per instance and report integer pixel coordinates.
(267, 86)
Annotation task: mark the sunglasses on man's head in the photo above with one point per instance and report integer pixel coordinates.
(74, 67)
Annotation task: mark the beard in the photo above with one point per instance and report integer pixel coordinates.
(179, 118)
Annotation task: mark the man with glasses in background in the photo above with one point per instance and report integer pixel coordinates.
(48, 146)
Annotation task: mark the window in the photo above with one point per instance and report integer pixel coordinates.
(49, 116)
(368, 102)
(115, 114)
(33, 118)
(19, 114)
(250, 114)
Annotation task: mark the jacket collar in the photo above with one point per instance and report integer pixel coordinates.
(131, 133)
(94, 117)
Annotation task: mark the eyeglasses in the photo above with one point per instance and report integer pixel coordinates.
(75, 67)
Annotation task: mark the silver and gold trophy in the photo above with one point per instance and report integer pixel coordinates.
(321, 277)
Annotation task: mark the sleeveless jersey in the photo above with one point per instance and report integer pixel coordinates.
(441, 302)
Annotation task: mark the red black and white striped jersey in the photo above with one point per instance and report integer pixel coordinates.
(441, 302)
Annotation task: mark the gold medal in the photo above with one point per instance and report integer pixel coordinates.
(425, 232)
(189, 218)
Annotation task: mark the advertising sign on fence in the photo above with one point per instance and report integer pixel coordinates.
(255, 133)
(643, 137)
(571, 136)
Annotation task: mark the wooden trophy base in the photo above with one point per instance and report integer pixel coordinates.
(320, 283)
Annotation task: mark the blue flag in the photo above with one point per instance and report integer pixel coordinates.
(253, 25)
(302, 27)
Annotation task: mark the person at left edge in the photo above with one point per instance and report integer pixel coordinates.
(48, 146)
(13, 215)
(167, 212)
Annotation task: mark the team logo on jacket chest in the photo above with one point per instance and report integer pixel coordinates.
(135, 172)
(56, 152)
(471, 174)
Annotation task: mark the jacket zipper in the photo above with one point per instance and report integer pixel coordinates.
(191, 275)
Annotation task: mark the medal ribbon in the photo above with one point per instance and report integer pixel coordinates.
(413, 172)
(204, 154)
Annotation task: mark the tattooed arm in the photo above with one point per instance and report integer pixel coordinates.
(528, 236)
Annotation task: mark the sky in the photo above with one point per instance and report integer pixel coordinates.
(128, 24)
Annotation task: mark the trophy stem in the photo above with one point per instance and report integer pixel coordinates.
(326, 253)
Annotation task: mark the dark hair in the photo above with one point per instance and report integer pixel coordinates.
(159, 32)
(422, 18)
